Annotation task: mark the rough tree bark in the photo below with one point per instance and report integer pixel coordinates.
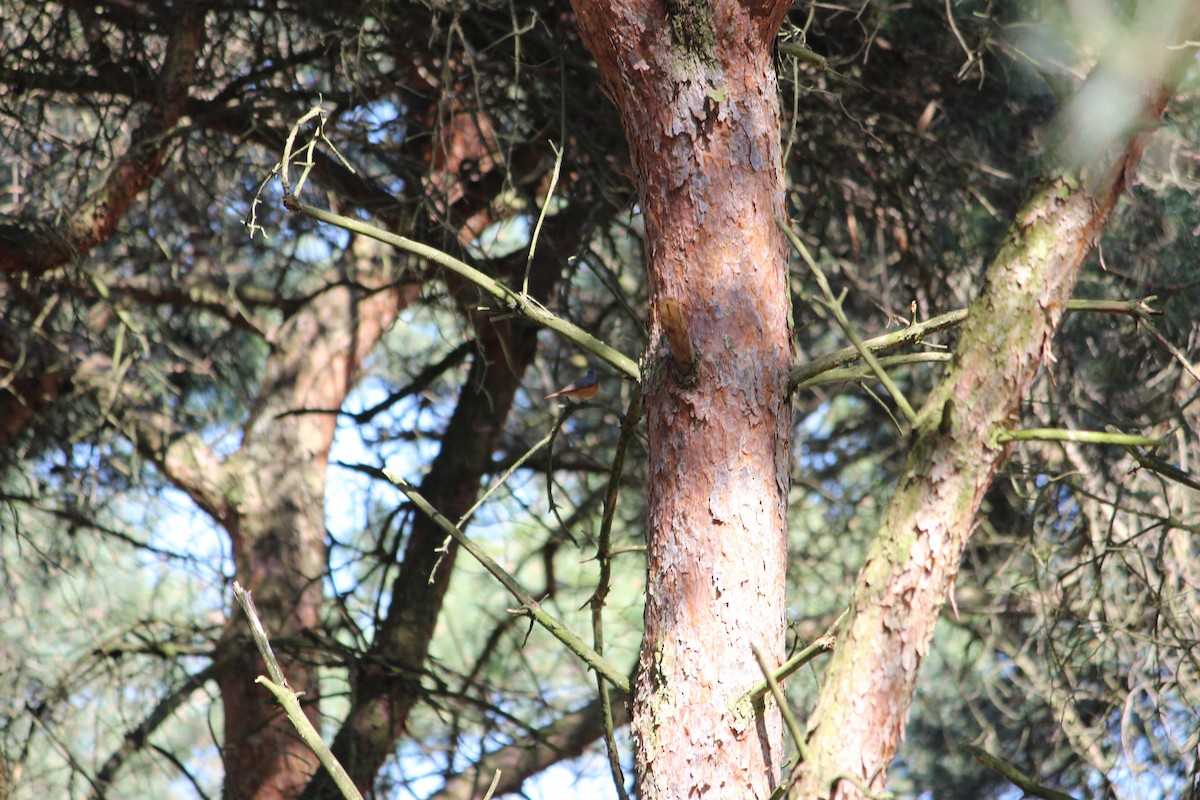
(387, 681)
(696, 90)
(912, 565)
(269, 496)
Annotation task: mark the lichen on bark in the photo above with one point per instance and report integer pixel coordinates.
(692, 27)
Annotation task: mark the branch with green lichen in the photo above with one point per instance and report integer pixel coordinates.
(814, 372)
(810, 374)
(277, 685)
(822, 644)
(1017, 778)
(835, 305)
(529, 607)
(512, 301)
(1085, 437)
(1131, 442)
(789, 720)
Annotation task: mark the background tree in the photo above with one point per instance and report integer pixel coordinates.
(182, 405)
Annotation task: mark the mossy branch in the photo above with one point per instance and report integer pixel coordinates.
(814, 372)
(1085, 437)
(278, 686)
(529, 605)
(835, 305)
(822, 644)
(513, 301)
(1019, 779)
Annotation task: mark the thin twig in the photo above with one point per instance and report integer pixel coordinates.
(629, 424)
(913, 334)
(822, 644)
(139, 737)
(278, 686)
(1171, 348)
(1160, 467)
(835, 305)
(811, 373)
(291, 705)
(858, 374)
(789, 718)
(528, 454)
(491, 790)
(529, 604)
(537, 229)
(1019, 779)
(514, 301)
(260, 635)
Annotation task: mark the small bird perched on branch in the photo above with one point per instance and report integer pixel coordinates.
(581, 389)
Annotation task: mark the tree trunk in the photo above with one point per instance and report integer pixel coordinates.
(269, 496)
(387, 679)
(696, 90)
(914, 560)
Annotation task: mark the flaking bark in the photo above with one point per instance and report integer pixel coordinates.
(912, 565)
(696, 90)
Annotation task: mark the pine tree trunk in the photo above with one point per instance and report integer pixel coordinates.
(697, 94)
(956, 452)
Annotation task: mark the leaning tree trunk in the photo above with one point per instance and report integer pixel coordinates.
(955, 453)
(696, 91)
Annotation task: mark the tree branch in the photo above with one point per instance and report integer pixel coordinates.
(36, 249)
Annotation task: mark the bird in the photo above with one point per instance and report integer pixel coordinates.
(581, 389)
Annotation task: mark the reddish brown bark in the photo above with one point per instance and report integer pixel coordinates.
(270, 498)
(696, 90)
(387, 680)
(35, 248)
(29, 249)
(864, 704)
